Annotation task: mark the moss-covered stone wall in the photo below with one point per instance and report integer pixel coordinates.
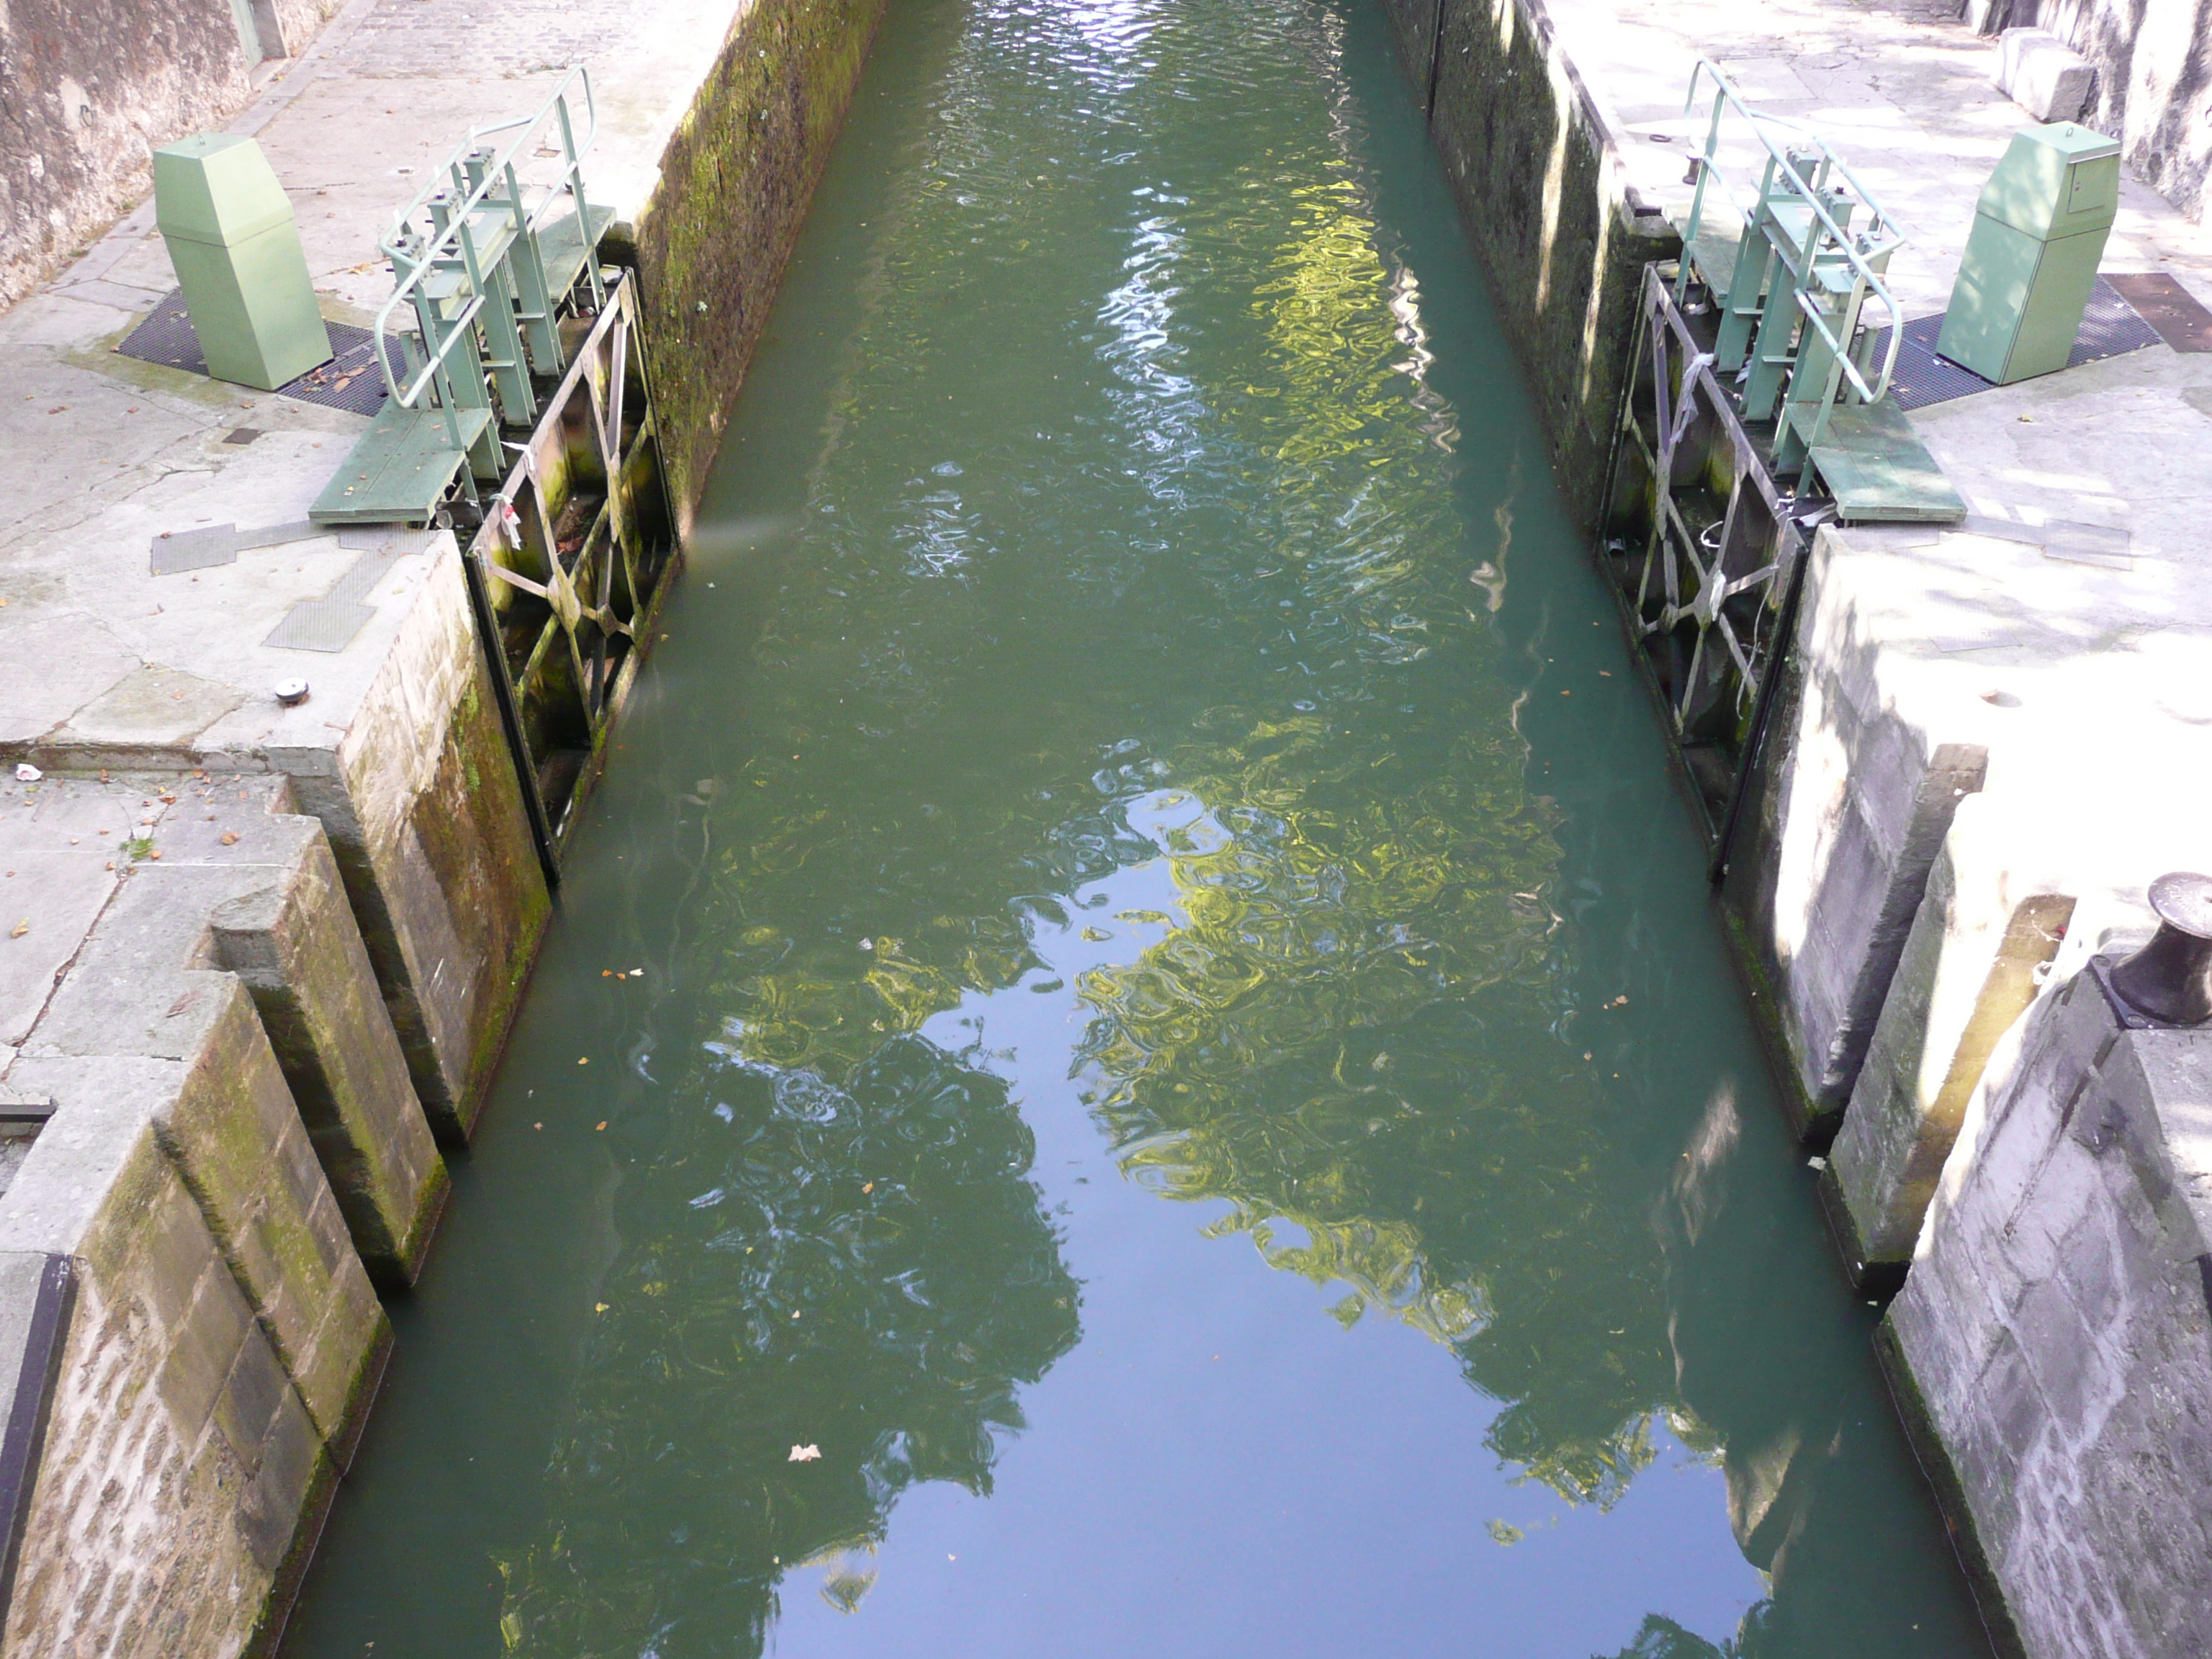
(735, 183)
(1547, 206)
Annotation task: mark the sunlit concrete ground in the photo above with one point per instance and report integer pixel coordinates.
(2087, 676)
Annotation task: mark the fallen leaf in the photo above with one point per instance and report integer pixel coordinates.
(803, 1454)
(600, 1307)
(869, 1188)
(585, 1061)
(230, 838)
(20, 928)
(603, 1123)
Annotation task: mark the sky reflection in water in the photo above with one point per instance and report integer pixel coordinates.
(1180, 1045)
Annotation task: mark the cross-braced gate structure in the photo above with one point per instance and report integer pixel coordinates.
(568, 567)
(523, 345)
(1743, 348)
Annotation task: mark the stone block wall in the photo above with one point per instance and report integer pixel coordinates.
(223, 1349)
(89, 87)
(1984, 938)
(2153, 93)
(217, 1193)
(735, 182)
(1853, 799)
(424, 813)
(1562, 238)
(2053, 1342)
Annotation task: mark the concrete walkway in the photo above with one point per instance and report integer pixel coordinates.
(2068, 628)
(102, 453)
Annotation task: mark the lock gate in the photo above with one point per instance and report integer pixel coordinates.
(519, 412)
(1756, 407)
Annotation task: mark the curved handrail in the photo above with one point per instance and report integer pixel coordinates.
(1882, 235)
(412, 261)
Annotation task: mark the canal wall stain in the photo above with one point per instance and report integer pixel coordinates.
(736, 180)
(247, 1109)
(1561, 234)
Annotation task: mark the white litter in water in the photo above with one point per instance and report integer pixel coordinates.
(1816, 1163)
(803, 1454)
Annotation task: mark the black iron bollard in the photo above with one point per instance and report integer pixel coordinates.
(2170, 979)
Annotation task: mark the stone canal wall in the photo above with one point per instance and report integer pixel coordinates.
(735, 182)
(269, 955)
(1563, 237)
(1984, 746)
(2052, 1344)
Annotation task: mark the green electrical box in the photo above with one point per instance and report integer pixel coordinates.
(2031, 260)
(231, 237)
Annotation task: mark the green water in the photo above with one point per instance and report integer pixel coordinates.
(1146, 990)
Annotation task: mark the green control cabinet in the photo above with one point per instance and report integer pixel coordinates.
(2031, 260)
(231, 237)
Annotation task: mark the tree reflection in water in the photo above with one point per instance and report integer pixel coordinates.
(862, 1269)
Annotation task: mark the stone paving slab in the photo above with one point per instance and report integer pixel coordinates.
(1905, 91)
(101, 453)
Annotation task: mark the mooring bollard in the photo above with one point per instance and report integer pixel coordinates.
(2169, 980)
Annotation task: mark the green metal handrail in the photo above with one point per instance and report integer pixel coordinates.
(1881, 236)
(475, 178)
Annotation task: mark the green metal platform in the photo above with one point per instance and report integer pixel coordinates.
(1878, 471)
(401, 469)
(564, 251)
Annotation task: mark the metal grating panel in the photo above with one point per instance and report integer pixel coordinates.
(350, 381)
(177, 550)
(2109, 328)
(2170, 308)
(329, 623)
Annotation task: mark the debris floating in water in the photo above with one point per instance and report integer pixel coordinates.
(805, 1454)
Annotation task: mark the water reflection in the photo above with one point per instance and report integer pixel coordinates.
(828, 1295)
(1122, 660)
